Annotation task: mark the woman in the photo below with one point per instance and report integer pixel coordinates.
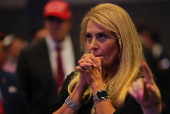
(111, 64)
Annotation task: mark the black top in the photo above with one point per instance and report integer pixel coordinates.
(130, 106)
(37, 79)
(12, 95)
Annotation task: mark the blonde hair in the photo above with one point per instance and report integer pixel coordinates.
(117, 20)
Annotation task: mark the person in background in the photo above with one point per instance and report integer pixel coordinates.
(109, 67)
(156, 58)
(39, 32)
(13, 46)
(44, 66)
(12, 97)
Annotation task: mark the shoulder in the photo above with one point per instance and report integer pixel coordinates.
(70, 77)
(35, 50)
(73, 74)
(67, 81)
(36, 47)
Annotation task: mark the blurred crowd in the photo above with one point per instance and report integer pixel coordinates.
(41, 65)
(156, 57)
(29, 70)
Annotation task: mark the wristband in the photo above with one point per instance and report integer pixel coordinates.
(100, 101)
(100, 95)
(73, 105)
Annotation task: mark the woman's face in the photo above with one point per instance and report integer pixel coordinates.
(102, 43)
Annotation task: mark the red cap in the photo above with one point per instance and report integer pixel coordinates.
(58, 8)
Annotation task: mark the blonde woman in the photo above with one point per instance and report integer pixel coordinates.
(111, 64)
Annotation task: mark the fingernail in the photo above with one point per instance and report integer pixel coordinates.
(135, 96)
(100, 68)
(141, 94)
(95, 65)
(89, 63)
(148, 86)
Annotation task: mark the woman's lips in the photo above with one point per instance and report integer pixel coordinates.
(98, 55)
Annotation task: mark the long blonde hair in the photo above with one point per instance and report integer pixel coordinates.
(117, 20)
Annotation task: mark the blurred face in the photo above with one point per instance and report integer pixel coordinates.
(58, 28)
(102, 43)
(15, 48)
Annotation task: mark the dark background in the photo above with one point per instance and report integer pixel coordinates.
(20, 16)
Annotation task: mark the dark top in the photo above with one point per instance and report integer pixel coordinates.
(35, 72)
(13, 97)
(130, 106)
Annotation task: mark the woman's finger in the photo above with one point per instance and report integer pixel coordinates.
(149, 89)
(152, 90)
(91, 61)
(147, 72)
(132, 93)
(99, 63)
(84, 56)
(85, 66)
(87, 58)
(81, 69)
(95, 60)
(81, 61)
(140, 88)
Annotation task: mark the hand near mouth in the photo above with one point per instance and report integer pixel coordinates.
(90, 68)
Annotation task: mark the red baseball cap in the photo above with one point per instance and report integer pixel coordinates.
(58, 8)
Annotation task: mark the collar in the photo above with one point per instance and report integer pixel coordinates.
(51, 43)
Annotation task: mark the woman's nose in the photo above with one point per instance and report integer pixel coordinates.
(94, 44)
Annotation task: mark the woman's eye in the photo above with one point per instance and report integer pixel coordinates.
(88, 36)
(102, 36)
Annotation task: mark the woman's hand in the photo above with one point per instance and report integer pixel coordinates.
(146, 92)
(93, 74)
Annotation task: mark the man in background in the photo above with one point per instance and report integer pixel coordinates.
(44, 66)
